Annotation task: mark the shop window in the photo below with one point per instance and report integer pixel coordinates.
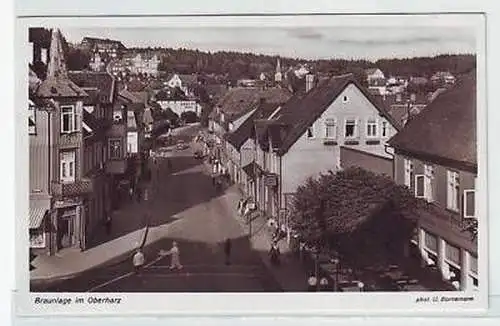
(37, 238)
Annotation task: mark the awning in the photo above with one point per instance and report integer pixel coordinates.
(38, 209)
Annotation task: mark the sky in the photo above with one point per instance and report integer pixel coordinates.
(367, 42)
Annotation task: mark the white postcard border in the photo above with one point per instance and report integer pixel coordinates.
(247, 304)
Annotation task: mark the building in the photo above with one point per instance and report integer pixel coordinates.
(145, 63)
(175, 100)
(402, 106)
(56, 152)
(332, 126)
(240, 145)
(96, 62)
(112, 48)
(96, 123)
(436, 157)
(375, 77)
(443, 78)
(186, 83)
(134, 116)
(231, 112)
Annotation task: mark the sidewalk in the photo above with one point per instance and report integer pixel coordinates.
(291, 274)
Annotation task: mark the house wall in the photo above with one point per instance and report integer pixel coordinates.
(353, 158)
(312, 156)
(181, 106)
(39, 154)
(444, 225)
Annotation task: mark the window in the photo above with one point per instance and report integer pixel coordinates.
(384, 128)
(469, 203)
(68, 119)
(408, 172)
(310, 131)
(371, 128)
(431, 242)
(420, 186)
(429, 176)
(67, 167)
(350, 128)
(345, 99)
(37, 238)
(453, 182)
(452, 255)
(115, 149)
(330, 129)
(31, 120)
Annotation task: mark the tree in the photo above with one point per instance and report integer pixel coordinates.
(189, 116)
(355, 212)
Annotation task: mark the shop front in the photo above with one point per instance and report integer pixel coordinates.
(38, 226)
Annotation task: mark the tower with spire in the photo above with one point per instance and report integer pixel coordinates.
(67, 187)
(278, 75)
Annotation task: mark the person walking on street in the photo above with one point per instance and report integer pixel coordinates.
(175, 259)
(312, 283)
(227, 251)
(108, 224)
(138, 261)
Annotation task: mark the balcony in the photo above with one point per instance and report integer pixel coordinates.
(71, 189)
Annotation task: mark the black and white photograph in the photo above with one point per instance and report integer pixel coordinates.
(256, 158)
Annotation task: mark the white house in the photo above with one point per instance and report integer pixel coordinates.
(334, 125)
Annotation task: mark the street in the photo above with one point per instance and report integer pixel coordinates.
(181, 194)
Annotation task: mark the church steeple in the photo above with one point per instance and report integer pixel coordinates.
(277, 75)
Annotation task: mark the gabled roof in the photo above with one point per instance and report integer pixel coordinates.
(238, 137)
(99, 85)
(446, 128)
(303, 109)
(371, 71)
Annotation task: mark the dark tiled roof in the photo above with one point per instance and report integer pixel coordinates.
(303, 109)
(237, 101)
(238, 137)
(59, 87)
(100, 85)
(446, 128)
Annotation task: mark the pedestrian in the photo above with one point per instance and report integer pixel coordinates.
(175, 259)
(131, 192)
(312, 283)
(138, 261)
(275, 253)
(108, 224)
(323, 284)
(227, 251)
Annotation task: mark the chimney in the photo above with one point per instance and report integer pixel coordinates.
(309, 82)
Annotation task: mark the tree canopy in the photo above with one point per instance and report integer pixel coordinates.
(354, 209)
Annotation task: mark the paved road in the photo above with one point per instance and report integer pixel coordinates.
(183, 193)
